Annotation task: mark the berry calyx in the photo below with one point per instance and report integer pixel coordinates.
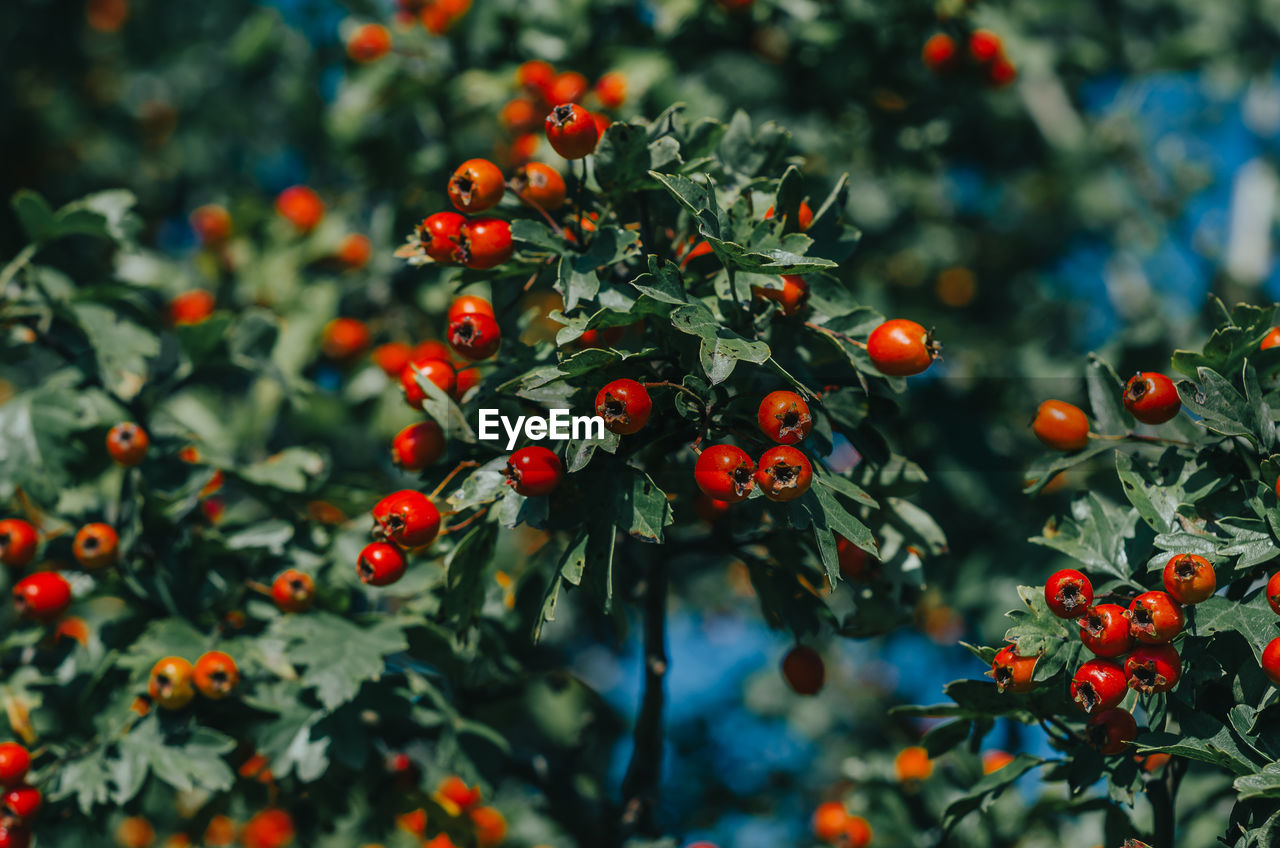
(1104, 629)
(939, 53)
(804, 670)
(1013, 673)
(18, 542)
(439, 235)
(624, 405)
(476, 185)
(15, 761)
(783, 473)
(475, 335)
(417, 446)
(127, 443)
(42, 596)
(436, 371)
(216, 674)
(1151, 397)
(1153, 668)
(540, 185)
(22, 803)
(485, 243)
(1098, 685)
(170, 683)
(784, 417)
(901, 348)
(408, 518)
(791, 296)
(1155, 618)
(301, 207)
(1271, 661)
(1068, 593)
(571, 131)
(1190, 579)
(369, 43)
(293, 591)
(1061, 426)
(1111, 731)
(95, 545)
(380, 564)
(534, 471)
(725, 472)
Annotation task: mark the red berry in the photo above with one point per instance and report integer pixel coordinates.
(519, 115)
(437, 371)
(1189, 578)
(475, 335)
(709, 509)
(468, 378)
(1001, 72)
(783, 473)
(1068, 593)
(1270, 340)
(612, 89)
(344, 338)
(539, 185)
(13, 836)
(1061, 426)
(1111, 731)
(601, 338)
(1271, 661)
(301, 207)
(15, 760)
(216, 674)
(369, 43)
(211, 223)
(791, 297)
(191, 307)
(1098, 685)
(1153, 668)
(293, 591)
(804, 215)
(572, 132)
(469, 304)
(624, 405)
(476, 185)
(534, 471)
(784, 417)
(22, 803)
(18, 542)
(1151, 398)
(855, 563)
(418, 445)
(985, 46)
(725, 472)
(1104, 629)
(1154, 618)
(485, 243)
(127, 443)
(439, 235)
(380, 564)
(408, 518)
(1011, 672)
(900, 348)
(939, 53)
(804, 670)
(392, 357)
(42, 596)
(1273, 592)
(95, 545)
(455, 790)
(568, 87)
(354, 251)
(536, 77)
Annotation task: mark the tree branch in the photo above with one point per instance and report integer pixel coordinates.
(644, 774)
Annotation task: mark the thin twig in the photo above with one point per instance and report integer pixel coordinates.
(644, 774)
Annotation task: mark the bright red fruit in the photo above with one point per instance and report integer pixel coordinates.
(612, 89)
(408, 518)
(476, 185)
(18, 542)
(985, 46)
(534, 471)
(369, 43)
(475, 335)
(14, 836)
(439, 235)
(1273, 592)
(191, 307)
(485, 243)
(855, 563)
(469, 304)
(572, 132)
(211, 223)
(1098, 685)
(804, 670)
(540, 185)
(293, 591)
(1151, 398)
(1153, 668)
(301, 207)
(784, 417)
(1104, 629)
(354, 251)
(418, 445)
(804, 215)
(1111, 731)
(1155, 618)
(22, 803)
(791, 297)
(344, 338)
(568, 87)
(1061, 426)
(1011, 672)
(42, 596)
(624, 405)
(725, 472)
(900, 348)
(95, 545)
(1271, 340)
(15, 761)
(1271, 661)
(1190, 579)
(783, 473)
(939, 53)
(380, 564)
(1068, 593)
(437, 371)
(127, 443)
(392, 357)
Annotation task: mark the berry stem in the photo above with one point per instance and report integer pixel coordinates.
(537, 207)
(667, 384)
(466, 463)
(835, 334)
(453, 528)
(260, 588)
(644, 773)
(1135, 437)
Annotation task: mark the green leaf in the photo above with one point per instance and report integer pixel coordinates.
(1156, 504)
(1095, 535)
(271, 535)
(641, 509)
(1223, 409)
(465, 571)
(338, 656)
(186, 759)
(1105, 392)
(1262, 784)
(87, 778)
(291, 470)
(123, 349)
(536, 233)
(663, 283)
(981, 795)
(34, 214)
(721, 347)
(1252, 618)
(1228, 346)
(483, 485)
(622, 158)
(39, 450)
(748, 153)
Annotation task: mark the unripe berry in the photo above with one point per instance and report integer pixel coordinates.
(783, 473)
(1011, 672)
(784, 417)
(1153, 668)
(1190, 579)
(534, 471)
(1068, 593)
(804, 670)
(1154, 618)
(1104, 629)
(1098, 685)
(1061, 426)
(725, 472)
(901, 348)
(1151, 398)
(624, 405)
(791, 297)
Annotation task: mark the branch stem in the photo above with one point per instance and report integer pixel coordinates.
(644, 774)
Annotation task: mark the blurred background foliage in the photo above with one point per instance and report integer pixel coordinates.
(1094, 203)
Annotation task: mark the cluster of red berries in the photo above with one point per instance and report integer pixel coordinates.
(1149, 397)
(41, 596)
(543, 91)
(436, 16)
(726, 473)
(174, 681)
(21, 801)
(835, 825)
(942, 55)
(459, 801)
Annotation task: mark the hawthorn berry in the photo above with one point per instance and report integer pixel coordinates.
(211, 223)
(18, 542)
(1012, 673)
(293, 591)
(14, 836)
(1068, 593)
(468, 378)
(1098, 685)
(791, 296)
(534, 471)
(804, 670)
(354, 251)
(1271, 661)
(571, 131)
(912, 764)
(1155, 618)
(476, 185)
(784, 417)
(519, 115)
(95, 545)
(127, 443)
(985, 46)
(804, 215)
(857, 832)
(344, 338)
(170, 683)
(369, 43)
(1273, 592)
(1061, 426)
(490, 826)
(709, 509)
(1151, 398)
(1153, 668)
(783, 473)
(392, 357)
(456, 791)
(137, 832)
(1270, 340)
(612, 89)
(1111, 731)
(301, 207)
(485, 243)
(407, 518)
(1104, 629)
(437, 371)
(855, 563)
(22, 803)
(1190, 579)
(624, 405)
(901, 348)
(15, 761)
(603, 337)
(829, 820)
(431, 349)
(568, 87)
(42, 596)
(475, 335)
(725, 472)
(939, 53)
(1001, 72)
(191, 307)
(417, 446)
(468, 304)
(270, 828)
(539, 185)
(439, 235)
(380, 564)
(216, 674)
